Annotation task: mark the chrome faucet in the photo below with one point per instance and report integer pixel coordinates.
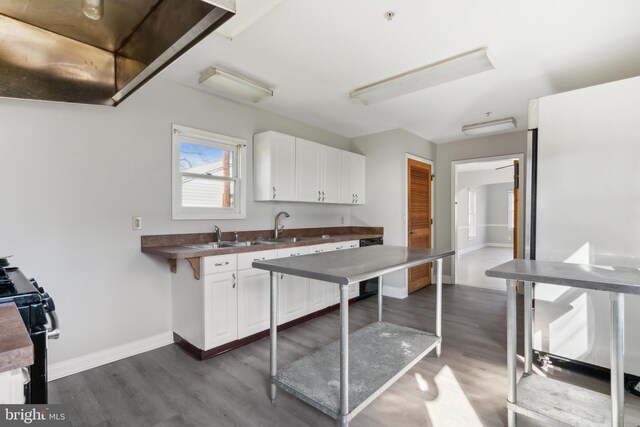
(218, 232)
(277, 230)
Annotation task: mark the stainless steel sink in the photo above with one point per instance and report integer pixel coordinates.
(222, 245)
(289, 239)
(248, 243)
(207, 246)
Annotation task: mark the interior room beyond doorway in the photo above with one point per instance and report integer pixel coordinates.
(485, 226)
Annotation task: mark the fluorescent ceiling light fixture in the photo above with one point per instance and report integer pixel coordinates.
(440, 72)
(233, 86)
(491, 126)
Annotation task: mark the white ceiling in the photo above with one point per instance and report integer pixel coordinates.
(314, 53)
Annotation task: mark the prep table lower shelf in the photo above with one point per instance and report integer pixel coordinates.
(379, 354)
(557, 403)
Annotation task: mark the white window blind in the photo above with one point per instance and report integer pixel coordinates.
(473, 225)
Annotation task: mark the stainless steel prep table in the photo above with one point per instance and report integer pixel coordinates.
(326, 379)
(550, 400)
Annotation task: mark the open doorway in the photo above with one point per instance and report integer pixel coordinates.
(486, 225)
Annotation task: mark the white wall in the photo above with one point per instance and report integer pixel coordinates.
(484, 177)
(497, 214)
(469, 148)
(386, 184)
(74, 175)
(491, 221)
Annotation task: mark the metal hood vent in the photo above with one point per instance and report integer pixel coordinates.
(50, 51)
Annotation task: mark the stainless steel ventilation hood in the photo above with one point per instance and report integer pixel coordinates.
(50, 51)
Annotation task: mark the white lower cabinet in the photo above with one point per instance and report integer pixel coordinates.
(318, 290)
(205, 310)
(293, 291)
(354, 288)
(231, 300)
(221, 308)
(253, 301)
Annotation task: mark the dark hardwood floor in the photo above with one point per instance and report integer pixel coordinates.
(166, 387)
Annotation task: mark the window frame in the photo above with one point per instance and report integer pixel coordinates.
(472, 214)
(201, 137)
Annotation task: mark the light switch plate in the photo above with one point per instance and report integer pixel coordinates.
(136, 223)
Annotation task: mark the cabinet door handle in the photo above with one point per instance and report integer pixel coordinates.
(319, 196)
(259, 259)
(339, 247)
(281, 276)
(323, 196)
(294, 254)
(356, 198)
(353, 198)
(220, 264)
(234, 279)
(318, 251)
(274, 192)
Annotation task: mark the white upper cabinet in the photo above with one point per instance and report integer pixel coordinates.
(318, 172)
(308, 171)
(332, 174)
(359, 177)
(287, 168)
(274, 166)
(353, 179)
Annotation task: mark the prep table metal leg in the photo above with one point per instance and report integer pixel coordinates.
(528, 328)
(617, 359)
(380, 299)
(344, 354)
(512, 336)
(439, 304)
(273, 333)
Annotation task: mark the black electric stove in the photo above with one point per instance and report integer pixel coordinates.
(38, 313)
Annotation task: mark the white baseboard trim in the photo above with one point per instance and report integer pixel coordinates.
(472, 248)
(99, 358)
(394, 292)
(484, 245)
(500, 245)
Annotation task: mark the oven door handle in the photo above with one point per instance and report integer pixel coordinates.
(53, 333)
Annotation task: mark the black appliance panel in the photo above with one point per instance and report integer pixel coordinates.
(369, 287)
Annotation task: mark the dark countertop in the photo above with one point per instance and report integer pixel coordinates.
(171, 246)
(353, 265)
(600, 278)
(16, 348)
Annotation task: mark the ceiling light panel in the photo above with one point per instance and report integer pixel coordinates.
(491, 126)
(447, 70)
(234, 86)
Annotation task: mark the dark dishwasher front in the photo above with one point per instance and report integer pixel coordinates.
(369, 287)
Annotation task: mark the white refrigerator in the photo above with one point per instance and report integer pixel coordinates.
(584, 207)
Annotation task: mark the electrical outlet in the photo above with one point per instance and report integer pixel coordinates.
(136, 223)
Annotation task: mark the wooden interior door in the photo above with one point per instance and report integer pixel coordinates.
(419, 219)
(516, 208)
